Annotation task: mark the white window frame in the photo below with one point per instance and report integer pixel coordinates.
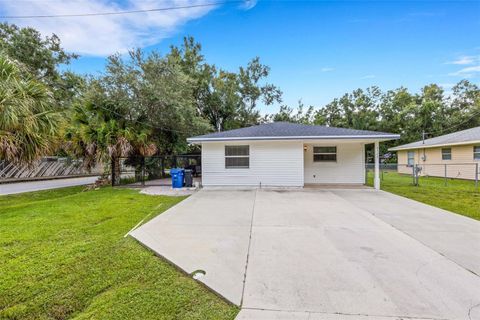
(241, 156)
(325, 153)
(476, 152)
(445, 153)
(412, 153)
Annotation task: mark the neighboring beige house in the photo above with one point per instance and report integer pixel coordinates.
(455, 155)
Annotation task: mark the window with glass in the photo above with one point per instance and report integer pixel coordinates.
(324, 154)
(410, 158)
(476, 153)
(237, 157)
(446, 153)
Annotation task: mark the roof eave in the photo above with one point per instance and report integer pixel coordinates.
(426, 146)
(359, 137)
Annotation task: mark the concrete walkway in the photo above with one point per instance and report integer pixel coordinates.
(28, 186)
(324, 254)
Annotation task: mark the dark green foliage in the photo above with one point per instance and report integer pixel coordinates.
(398, 111)
(42, 57)
(228, 100)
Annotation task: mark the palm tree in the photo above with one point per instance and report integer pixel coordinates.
(100, 134)
(29, 122)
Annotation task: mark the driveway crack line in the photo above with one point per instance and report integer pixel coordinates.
(347, 314)
(249, 245)
(470, 310)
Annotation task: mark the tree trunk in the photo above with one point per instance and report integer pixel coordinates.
(115, 171)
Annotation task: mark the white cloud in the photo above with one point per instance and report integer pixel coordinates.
(467, 72)
(104, 35)
(327, 69)
(249, 4)
(368, 76)
(464, 60)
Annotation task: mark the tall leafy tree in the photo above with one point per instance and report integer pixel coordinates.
(103, 133)
(464, 111)
(357, 110)
(253, 91)
(29, 123)
(428, 113)
(228, 100)
(141, 106)
(42, 57)
(286, 113)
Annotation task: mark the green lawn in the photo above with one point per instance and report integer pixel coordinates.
(458, 196)
(63, 255)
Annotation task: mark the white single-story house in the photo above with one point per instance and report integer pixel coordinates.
(283, 154)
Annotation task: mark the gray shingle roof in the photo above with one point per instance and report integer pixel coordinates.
(287, 130)
(460, 137)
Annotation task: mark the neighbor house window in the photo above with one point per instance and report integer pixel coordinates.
(476, 153)
(324, 154)
(410, 158)
(446, 153)
(237, 157)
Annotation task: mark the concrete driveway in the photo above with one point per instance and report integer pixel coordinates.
(324, 254)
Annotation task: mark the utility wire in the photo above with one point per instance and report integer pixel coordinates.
(144, 123)
(118, 12)
(475, 114)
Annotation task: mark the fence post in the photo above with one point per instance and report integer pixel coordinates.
(417, 176)
(112, 167)
(414, 167)
(476, 176)
(162, 166)
(143, 171)
(445, 175)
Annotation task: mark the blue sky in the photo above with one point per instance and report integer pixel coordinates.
(317, 50)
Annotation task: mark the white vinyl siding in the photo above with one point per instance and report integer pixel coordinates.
(271, 163)
(348, 169)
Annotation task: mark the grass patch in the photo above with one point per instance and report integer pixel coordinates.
(63, 255)
(458, 196)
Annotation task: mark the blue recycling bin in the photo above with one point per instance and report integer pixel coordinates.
(177, 177)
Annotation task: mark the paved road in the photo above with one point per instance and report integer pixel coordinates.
(20, 187)
(325, 254)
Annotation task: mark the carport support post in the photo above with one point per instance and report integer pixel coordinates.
(376, 179)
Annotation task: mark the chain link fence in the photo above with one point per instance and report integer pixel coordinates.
(152, 171)
(465, 175)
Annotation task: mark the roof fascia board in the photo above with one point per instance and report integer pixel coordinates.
(400, 148)
(374, 137)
